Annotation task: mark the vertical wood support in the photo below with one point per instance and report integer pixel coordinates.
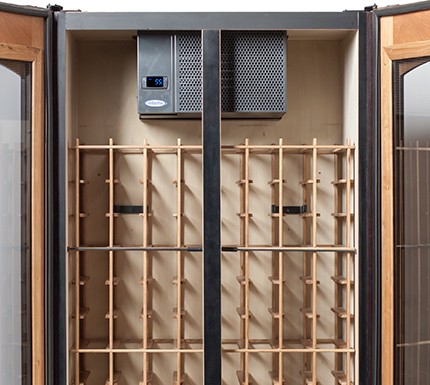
(211, 132)
(77, 260)
(244, 217)
(280, 257)
(145, 283)
(275, 275)
(314, 260)
(348, 261)
(111, 261)
(306, 241)
(338, 256)
(179, 261)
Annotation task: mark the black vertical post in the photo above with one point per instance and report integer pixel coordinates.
(211, 132)
(57, 232)
(369, 205)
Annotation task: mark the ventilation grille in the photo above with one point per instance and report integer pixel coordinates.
(253, 71)
(189, 72)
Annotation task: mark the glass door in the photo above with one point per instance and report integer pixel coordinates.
(22, 197)
(15, 234)
(405, 198)
(411, 221)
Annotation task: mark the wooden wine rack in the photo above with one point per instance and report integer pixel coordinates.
(311, 343)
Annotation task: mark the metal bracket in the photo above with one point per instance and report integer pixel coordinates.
(127, 209)
(290, 209)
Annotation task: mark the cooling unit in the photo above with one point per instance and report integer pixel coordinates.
(253, 74)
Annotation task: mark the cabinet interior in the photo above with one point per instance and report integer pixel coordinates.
(289, 213)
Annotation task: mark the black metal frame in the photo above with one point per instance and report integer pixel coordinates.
(93, 21)
(369, 180)
(375, 193)
(211, 134)
(58, 203)
(369, 351)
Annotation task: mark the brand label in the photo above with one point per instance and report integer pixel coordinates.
(155, 103)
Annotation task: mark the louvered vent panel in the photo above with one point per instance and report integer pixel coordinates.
(253, 66)
(189, 53)
(253, 71)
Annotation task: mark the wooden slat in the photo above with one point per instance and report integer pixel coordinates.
(84, 343)
(83, 279)
(242, 313)
(309, 313)
(309, 377)
(148, 313)
(243, 378)
(182, 378)
(114, 314)
(182, 280)
(340, 344)
(342, 182)
(116, 344)
(340, 280)
(274, 376)
(308, 280)
(178, 313)
(340, 377)
(275, 181)
(147, 380)
(116, 377)
(115, 281)
(244, 181)
(275, 280)
(341, 312)
(83, 377)
(308, 182)
(274, 313)
(244, 215)
(83, 311)
(242, 280)
(348, 216)
(148, 279)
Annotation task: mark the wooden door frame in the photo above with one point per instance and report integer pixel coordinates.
(34, 54)
(415, 44)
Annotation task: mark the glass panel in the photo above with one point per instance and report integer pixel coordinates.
(15, 250)
(412, 221)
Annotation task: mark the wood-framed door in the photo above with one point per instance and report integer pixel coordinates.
(22, 59)
(404, 50)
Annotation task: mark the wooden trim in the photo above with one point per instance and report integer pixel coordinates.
(387, 232)
(18, 52)
(408, 50)
(390, 51)
(38, 221)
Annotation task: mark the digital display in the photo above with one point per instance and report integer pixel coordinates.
(155, 81)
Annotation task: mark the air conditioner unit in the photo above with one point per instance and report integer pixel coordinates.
(253, 74)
